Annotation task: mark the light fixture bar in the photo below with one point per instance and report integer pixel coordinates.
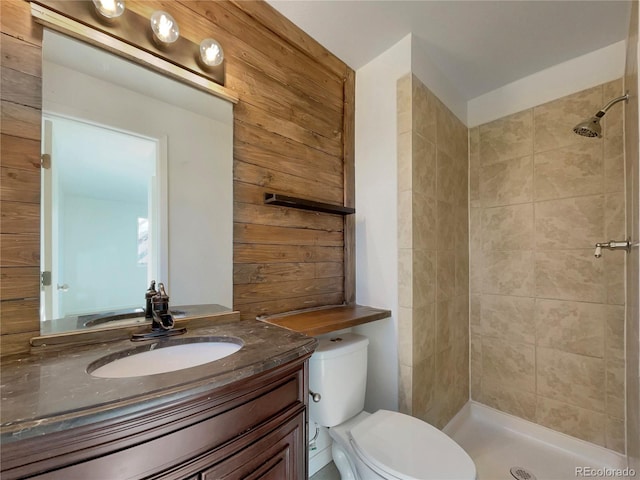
(131, 28)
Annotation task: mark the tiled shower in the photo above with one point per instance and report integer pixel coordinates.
(433, 256)
(546, 318)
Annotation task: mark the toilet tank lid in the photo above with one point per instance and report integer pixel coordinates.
(337, 345)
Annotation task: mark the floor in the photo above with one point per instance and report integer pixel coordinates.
(330, 472)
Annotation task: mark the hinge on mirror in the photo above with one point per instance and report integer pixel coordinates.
(45, 161)
(45, 279)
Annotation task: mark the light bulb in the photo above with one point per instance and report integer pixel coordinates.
(109, 8)
(164, 27)
(211, 53)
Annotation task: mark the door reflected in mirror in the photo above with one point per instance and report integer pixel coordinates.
(140, 187)
(102, 196)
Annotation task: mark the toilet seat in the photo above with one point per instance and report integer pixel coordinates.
(398, 446)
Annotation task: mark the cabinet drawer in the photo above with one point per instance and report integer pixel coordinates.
(151, 457)
(275, 456)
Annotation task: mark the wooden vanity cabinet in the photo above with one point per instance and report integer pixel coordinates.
(254, 428)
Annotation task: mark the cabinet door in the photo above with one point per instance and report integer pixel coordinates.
(279, 455)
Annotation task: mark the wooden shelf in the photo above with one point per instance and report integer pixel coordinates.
(301, 203)
(321, 320)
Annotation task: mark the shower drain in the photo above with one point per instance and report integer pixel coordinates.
(520, 473)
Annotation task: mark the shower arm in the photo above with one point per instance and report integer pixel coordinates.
(604, 109)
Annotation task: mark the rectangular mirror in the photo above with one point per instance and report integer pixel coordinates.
(138, 187)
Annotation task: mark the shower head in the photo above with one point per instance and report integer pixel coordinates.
(591, 127)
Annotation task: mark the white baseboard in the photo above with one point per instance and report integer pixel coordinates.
(319, 460)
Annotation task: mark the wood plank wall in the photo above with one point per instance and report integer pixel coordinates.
(293, 134)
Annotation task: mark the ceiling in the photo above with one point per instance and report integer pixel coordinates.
(478, 45)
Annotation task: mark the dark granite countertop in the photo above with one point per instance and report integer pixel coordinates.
(51, 390)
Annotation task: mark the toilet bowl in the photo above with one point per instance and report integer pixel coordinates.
(383, 445)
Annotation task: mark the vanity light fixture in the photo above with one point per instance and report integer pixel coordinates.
(109, 9)
(164, 27)
(211, 54)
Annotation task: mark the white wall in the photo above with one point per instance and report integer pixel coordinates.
(429, 74)
(577, 74)
(376, 215)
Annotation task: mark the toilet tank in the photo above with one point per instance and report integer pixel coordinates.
(338, 372)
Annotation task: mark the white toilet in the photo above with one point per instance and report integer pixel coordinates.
(383, 445)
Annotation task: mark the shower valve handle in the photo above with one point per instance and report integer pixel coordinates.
(612, 245)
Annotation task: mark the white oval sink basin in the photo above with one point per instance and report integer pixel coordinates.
(166, 359)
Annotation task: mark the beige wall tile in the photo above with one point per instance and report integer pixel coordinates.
(569, 223)
(446, 271)
(613, 262)
(554, 121)
(507, 182)
(569, 171)
(423, 383)
(614, 217)
(615, 406)
(508, 364)
(570, 378)
(405, 336)
(451, 134)
(615, 435)
(461, 214)
(476, 366)
(424, 332)
(461, 323)
(570, 275)
(475, 312)
(508, 273)
(462, 272)
(424, 111)
(508, 228)
(613, 163)
(508, 318)
(446, 230)
(475, 250)
(509, 400)
(572, 420)
(445, 312)
(405, 278)
(614, 331)
(474, 188)
(612, 122)
(424, 277)
(448, 182)
(405, 162)
(615, 386)
(474, 148)
(404, 103)
(424, 166)
(405, 219)
(405, 385)
(573, 327)
(506, 138)
(424, 222)
(615, 377)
